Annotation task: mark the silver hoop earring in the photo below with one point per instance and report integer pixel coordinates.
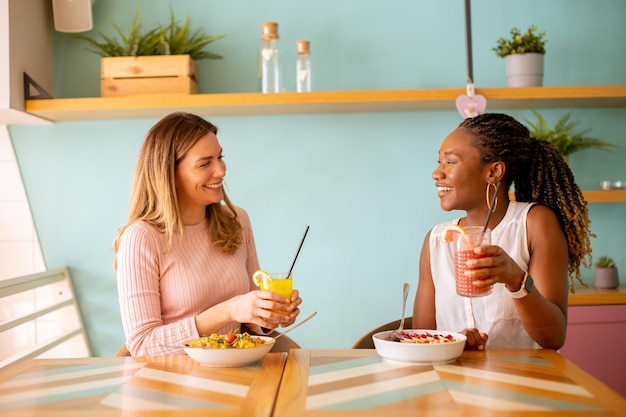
(495, 204)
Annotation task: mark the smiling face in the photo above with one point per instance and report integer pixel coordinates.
(460, 177)
(199, 178)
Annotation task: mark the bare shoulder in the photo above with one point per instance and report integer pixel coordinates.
(540, 215)
(544, 228)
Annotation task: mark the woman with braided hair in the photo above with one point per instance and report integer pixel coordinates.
(538, 240)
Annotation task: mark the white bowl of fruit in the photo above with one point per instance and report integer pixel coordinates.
(419, 347)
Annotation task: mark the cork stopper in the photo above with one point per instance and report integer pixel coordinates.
(303, 47)
(269, 31)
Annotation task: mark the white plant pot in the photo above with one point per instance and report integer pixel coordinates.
(524, 70)
(605, 278)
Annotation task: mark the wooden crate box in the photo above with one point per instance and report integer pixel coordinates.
(133, 75)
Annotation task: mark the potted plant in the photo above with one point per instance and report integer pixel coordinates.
(565, 136)
(605, 275)
(523, 56)
(161, 60)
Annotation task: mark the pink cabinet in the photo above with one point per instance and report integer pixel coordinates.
(596, 341)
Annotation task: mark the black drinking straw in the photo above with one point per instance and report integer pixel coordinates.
(299, 247)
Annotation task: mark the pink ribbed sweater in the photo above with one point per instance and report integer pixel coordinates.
(161, 291)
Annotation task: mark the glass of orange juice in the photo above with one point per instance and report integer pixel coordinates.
(277, 282)
(464, 244)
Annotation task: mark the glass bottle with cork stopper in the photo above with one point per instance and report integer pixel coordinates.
(303, 66)
(269, 63)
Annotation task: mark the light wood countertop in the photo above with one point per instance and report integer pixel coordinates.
(589, 296)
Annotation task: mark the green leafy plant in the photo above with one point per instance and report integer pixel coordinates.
(521, 43)
(173, 39)
(564, 135)
(605, 262)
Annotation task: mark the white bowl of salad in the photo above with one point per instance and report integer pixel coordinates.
(228, 350)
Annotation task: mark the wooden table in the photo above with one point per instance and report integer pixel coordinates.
(142, 386)
(307, 383)
(333, 383)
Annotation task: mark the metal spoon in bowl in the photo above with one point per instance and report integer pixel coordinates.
(396, 335)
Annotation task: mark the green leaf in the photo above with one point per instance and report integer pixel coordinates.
(564, 135)
(605, 262)
(171, 39)
(519, 43)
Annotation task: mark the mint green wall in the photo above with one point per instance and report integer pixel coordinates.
(361, 181)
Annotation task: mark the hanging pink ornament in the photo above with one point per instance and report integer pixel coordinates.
(471, 104)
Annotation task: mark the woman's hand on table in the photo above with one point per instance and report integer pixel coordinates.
(475, 339)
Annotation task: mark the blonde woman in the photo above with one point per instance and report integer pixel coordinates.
(184, 259)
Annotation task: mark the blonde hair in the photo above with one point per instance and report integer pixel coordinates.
(153, 195)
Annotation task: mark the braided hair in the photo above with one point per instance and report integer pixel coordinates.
(539, 174)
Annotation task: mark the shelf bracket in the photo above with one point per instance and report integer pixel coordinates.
(30, 83)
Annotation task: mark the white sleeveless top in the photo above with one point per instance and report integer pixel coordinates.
(494, 314)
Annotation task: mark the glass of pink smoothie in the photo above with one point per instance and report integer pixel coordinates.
(464, 244)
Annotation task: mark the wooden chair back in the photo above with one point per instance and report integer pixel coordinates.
(122, 351)
(30, 298)
(366, 342)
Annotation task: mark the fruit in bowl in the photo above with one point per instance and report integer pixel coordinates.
(419, 347)
(228, 350)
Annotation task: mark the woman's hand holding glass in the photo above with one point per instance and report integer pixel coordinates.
(496, 267)
(284, 311)
(266, 309)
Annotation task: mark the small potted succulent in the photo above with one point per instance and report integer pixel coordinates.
(565, 136)
(523, 56)
(160, 60)
(605, 275)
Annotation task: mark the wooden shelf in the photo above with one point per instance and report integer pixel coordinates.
(599, 196)
(245, 104)
(602, 196)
